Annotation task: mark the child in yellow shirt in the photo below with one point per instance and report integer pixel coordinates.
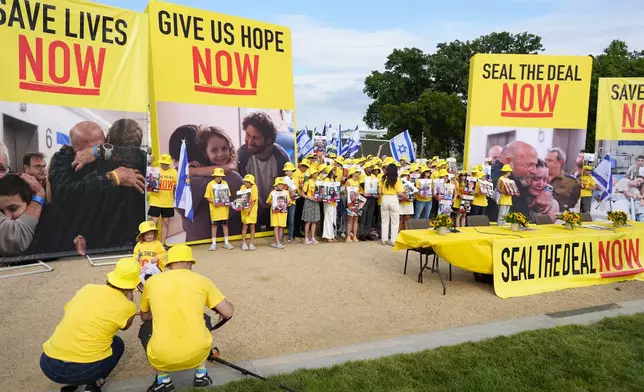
(149, 251)
(249, 215)
(219, 207)
(587, 188)
(505, 200)
(279, 200)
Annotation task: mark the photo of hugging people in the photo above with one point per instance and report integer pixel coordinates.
(238, 140)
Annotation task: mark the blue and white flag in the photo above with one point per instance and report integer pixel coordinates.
(352, 146)
(402, 147)
(339, 140)
(183, 192)
(603, 174)
(304, 144)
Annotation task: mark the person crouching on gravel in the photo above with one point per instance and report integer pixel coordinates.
(174, 332)
(84, 348)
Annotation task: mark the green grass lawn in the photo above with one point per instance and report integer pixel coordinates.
(608, 356)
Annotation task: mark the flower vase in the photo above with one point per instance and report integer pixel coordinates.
(617, 225)
(569, 226)
(515, 227)
(442, 230)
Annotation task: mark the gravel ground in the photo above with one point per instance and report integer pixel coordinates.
(299, 299)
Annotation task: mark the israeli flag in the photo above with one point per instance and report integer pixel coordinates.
(352, 146)
(183, 193)
(401, 146)
(304, 144)
(603, 174)
(339, 140)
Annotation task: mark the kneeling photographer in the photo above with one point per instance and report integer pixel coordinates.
(173, 332)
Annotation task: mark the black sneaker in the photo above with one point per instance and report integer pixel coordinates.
(201, 382)
(162, 387)
(69, 388)
(92, 388)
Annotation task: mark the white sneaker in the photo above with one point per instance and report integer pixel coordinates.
(244, 246)
(252, 247)
(280, 246)
(213, 247)
(273, 245)
(227, 246)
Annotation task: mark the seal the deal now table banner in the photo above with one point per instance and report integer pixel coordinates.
(538, 265)
(72, 74)
(620, 109)
(224, 85)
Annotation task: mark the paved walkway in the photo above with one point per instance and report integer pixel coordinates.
(408, 344)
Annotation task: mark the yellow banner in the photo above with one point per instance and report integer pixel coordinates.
(203, 57)
(620, 109)
(538, 265)
(73, 53)
(533, 91)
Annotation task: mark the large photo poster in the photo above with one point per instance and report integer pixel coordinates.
(74, 105)
(530, 112)
(618, 172)
(226, 89)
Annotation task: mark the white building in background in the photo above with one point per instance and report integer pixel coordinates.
(26, 127)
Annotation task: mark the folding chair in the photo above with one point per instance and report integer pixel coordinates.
(542, 219)
(420, 224)
(586, 217)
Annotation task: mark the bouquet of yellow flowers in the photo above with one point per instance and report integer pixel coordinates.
(517, 217)
(571, 218)
(442, 220)
(619, 218)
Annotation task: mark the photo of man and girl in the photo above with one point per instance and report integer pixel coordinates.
(238, 140)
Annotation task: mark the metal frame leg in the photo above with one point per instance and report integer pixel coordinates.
(39, 263)
(103, 264)
(434, 268)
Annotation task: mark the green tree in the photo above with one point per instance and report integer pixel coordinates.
(615, 61)
(441, 80)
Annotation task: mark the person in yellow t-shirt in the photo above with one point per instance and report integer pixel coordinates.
(352, 198)
(406, 204)
(311, 210)
(84, 348)
(479, 204)
(174, 334)
(149, 251)
(298, 177)
(423, 202)
(289, 172)
(391, 189)
(249, 215)
(162, 202)
(279, 210)
(505, 200)
(219, 207)
(587, 187)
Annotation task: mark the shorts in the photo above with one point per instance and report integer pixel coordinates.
(163, 212)
(221, 222)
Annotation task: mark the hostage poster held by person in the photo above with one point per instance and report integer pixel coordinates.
(74, 108)
(530, 112)
(225, 86)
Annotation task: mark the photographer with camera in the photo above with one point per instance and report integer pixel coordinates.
(173, 332)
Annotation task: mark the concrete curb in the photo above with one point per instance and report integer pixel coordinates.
(402, 345)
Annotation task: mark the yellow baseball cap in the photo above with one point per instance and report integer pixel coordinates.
(289, 166)
(424, 169)
(588, 167)
(405, 173)
(506, 168)
(322, 167)
(443, 173)
(339, 159)
(305, 162)
(279, 181)
(480, 174)
(352, 171)
(146, 227)
(332, 155)
(414, 167)
(165, 159)
(249, 178)
(125, 274)
(180, 253)
(218, 172)
(475, 169)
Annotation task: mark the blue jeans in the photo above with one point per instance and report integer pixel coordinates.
(422, 209)
(291, 222)
(70, 373)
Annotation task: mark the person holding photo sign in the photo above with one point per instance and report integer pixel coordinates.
(279, 200)
(249, 215)
(311, 212)
(219, 211)
(505, 200)
(162, 202)
(352, 187)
